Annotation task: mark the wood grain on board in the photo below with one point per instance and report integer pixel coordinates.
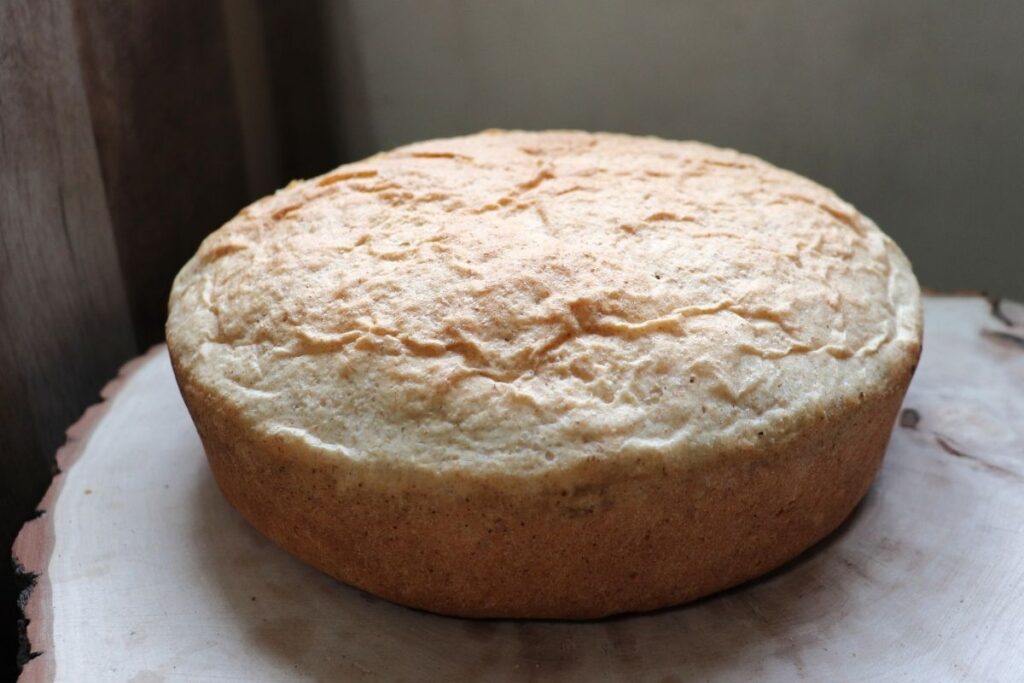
(922, 583)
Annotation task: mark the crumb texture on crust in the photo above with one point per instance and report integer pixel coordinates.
(520, 301)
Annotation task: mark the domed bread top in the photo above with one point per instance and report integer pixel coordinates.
(518, 302)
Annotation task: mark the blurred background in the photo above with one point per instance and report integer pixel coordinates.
(130, 130)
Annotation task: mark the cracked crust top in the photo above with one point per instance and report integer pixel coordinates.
(516, 302)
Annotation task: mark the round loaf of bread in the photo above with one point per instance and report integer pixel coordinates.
(551, 374)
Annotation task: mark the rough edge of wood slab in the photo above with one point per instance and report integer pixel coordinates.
(35, 542)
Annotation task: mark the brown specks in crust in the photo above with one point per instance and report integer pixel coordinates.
(487, 208)
(220, 249)
(369, 188)
(724, 163)
(345, 175)
(662, 216)
(284, 211)
(441, 155)
(535, 182)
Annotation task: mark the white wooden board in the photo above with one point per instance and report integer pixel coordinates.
(147, 574)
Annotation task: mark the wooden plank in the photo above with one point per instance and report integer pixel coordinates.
(64, 324)
(160, 93)
(922, 583)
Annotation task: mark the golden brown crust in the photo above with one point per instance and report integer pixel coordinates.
(546, 374)
(521, 301)
(601, 539)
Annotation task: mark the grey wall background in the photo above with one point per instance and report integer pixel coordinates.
(912, 109)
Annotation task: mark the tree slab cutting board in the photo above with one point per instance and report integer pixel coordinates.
(146, 574)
